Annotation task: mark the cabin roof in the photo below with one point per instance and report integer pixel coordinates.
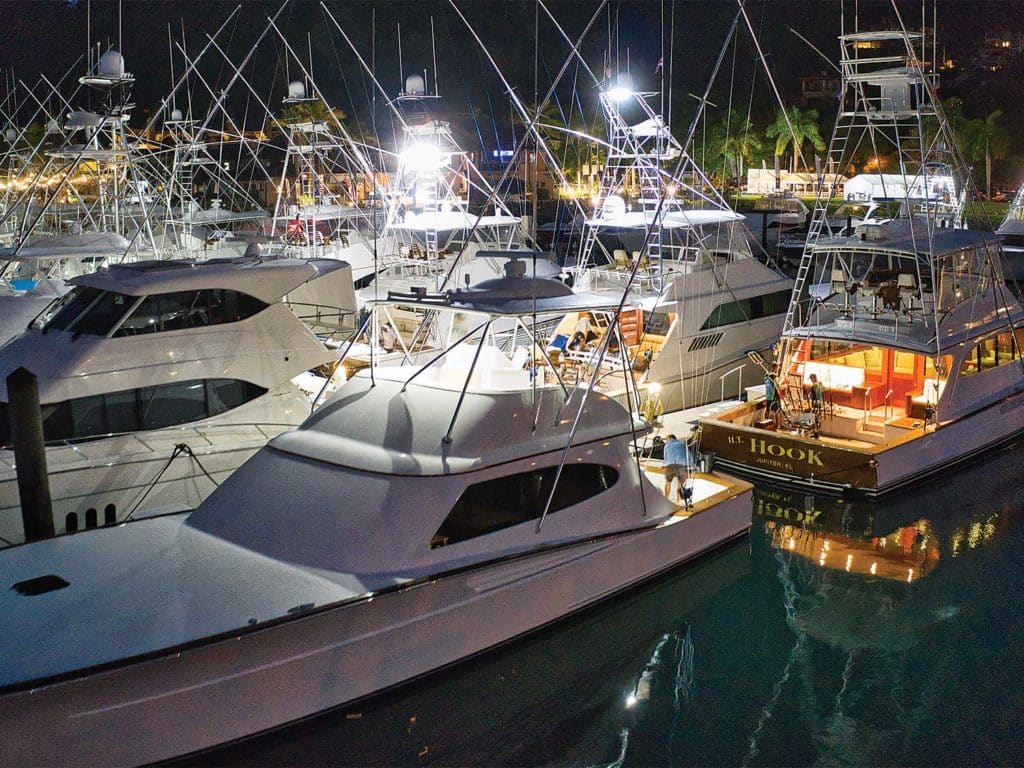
(265, 280)
(898, 236)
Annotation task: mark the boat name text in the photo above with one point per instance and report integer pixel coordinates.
(794, 452)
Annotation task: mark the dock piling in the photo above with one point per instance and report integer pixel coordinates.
(30, 454)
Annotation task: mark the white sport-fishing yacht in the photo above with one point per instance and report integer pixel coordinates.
(912, 361)
(700, 300)
(158, 379)
(315, 215)
(424, 514)
(225, 226)
(39, 274)
(56, 239)
(439, 242)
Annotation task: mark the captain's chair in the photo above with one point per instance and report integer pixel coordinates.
(907, 284)
(838, 281)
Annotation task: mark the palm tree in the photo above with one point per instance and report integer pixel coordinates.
(741, 148)
(566, 139)
(987, 140)
(314, 111)
(804, 129)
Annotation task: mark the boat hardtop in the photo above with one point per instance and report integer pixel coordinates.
(81, 244)
(911, 237)
(325, 212)
(692, 218)
(960, 324)
(391, 424)
(444, 220)
(267, 280)
(514, 294)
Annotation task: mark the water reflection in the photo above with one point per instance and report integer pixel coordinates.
(876, 610)
(842, 633)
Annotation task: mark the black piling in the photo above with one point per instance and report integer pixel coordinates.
(30, 454)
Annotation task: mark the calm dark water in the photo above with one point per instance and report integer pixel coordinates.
(784, 649)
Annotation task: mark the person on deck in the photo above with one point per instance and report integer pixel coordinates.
(772, 401)
(387, 338)
(817, 401)
(676, 461)
(584, 327)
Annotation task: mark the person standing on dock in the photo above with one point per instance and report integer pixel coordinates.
(676, 461)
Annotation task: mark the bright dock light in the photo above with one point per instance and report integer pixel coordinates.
(422, 156)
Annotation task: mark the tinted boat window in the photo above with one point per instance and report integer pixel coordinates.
(189, 309)
(61, 314)
(224, 394)
(130, 410)
(506, 501)
(753, 308)
(103, 315)
(994, 351)
(121, 410)
(170, 404)
(88, 416)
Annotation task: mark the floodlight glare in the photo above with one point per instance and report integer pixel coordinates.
(422, 156)
(654, 387)
(619, 93)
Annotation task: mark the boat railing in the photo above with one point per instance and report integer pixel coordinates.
(738, 370)
(888, 405)
(867, 406)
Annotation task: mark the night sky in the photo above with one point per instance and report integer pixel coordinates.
(48, 35)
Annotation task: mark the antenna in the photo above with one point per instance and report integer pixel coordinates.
(433, 48)
(401, 72)
(309, 45)
(170, 60)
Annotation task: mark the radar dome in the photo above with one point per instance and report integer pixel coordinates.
(296, 90)
(414, 85)
(111, 64)
(253, 251)
(10, 134)
(176, 115)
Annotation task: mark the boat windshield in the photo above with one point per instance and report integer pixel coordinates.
(87, 310)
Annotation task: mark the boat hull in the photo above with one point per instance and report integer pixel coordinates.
(806, 462)
(193, 698)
